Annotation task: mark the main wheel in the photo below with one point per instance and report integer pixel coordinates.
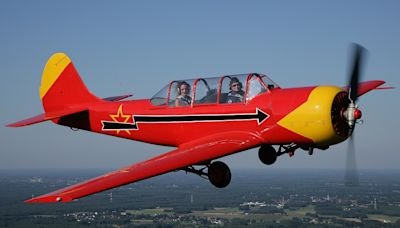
(267, 154)
(219, 174)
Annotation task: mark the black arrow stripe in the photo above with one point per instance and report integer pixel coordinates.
(194, 118)
(260, 116)
(109, 125)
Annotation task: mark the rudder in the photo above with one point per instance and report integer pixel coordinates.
(62, 86)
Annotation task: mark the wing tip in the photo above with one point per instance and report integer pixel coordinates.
(49, 199)
(19, 124)
(13, 125)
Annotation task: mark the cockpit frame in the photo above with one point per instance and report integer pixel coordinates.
(218, 100)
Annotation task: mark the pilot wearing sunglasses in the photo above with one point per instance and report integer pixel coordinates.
(236, 93)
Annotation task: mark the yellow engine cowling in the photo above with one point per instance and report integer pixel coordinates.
(319, 118)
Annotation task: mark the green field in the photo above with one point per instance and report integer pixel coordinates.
(301, 212)
(226, 212)
(142, 221)
(155, 211)
(232, 212)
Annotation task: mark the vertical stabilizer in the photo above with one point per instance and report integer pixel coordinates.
(62, 86)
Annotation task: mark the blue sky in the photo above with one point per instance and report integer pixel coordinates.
(139, 46)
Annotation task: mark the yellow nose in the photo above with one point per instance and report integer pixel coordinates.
(313, 119)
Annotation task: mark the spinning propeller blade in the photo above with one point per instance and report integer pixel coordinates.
(351, 176)
(356, 67)
(352, 113)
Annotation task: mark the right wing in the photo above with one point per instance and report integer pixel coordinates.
(365, 87)
(195, 152)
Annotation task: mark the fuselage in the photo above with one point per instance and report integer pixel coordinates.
(279, 116)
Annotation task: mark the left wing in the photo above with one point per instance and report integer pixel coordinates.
(195, 152)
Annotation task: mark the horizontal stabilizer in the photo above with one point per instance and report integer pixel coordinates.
(117, 98)
(47, 116)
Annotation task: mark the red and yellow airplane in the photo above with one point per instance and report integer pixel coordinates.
(204, 118)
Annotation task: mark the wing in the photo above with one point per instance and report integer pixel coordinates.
(365, 87)
(195, 152)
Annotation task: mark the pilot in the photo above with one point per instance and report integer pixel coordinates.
(183, 98)
(236, 94)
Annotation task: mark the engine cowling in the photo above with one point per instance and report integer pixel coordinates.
(320, 117)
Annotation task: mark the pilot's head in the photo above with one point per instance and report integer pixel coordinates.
(183, 88)
(235, 84)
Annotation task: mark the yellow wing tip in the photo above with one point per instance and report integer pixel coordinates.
(53, 69)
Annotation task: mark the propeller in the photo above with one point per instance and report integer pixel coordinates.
(355, 71)
(351, 114)
(351, 176)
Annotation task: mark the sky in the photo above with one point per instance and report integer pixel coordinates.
(137, 47)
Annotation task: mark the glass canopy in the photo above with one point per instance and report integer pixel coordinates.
(217, 90)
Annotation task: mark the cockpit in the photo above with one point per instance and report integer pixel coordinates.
(228, 89)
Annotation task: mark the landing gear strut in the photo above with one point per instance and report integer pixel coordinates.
(290, 149)
(268, 154)
(218, 173)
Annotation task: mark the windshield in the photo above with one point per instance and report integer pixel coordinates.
(160, 98)
(268, 82)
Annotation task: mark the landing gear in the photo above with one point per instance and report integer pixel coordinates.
(289, 149)
(218, 173)
(310, 150)
(267, 154)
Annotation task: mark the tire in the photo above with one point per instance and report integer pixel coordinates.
(219, 174)
(267, 154)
